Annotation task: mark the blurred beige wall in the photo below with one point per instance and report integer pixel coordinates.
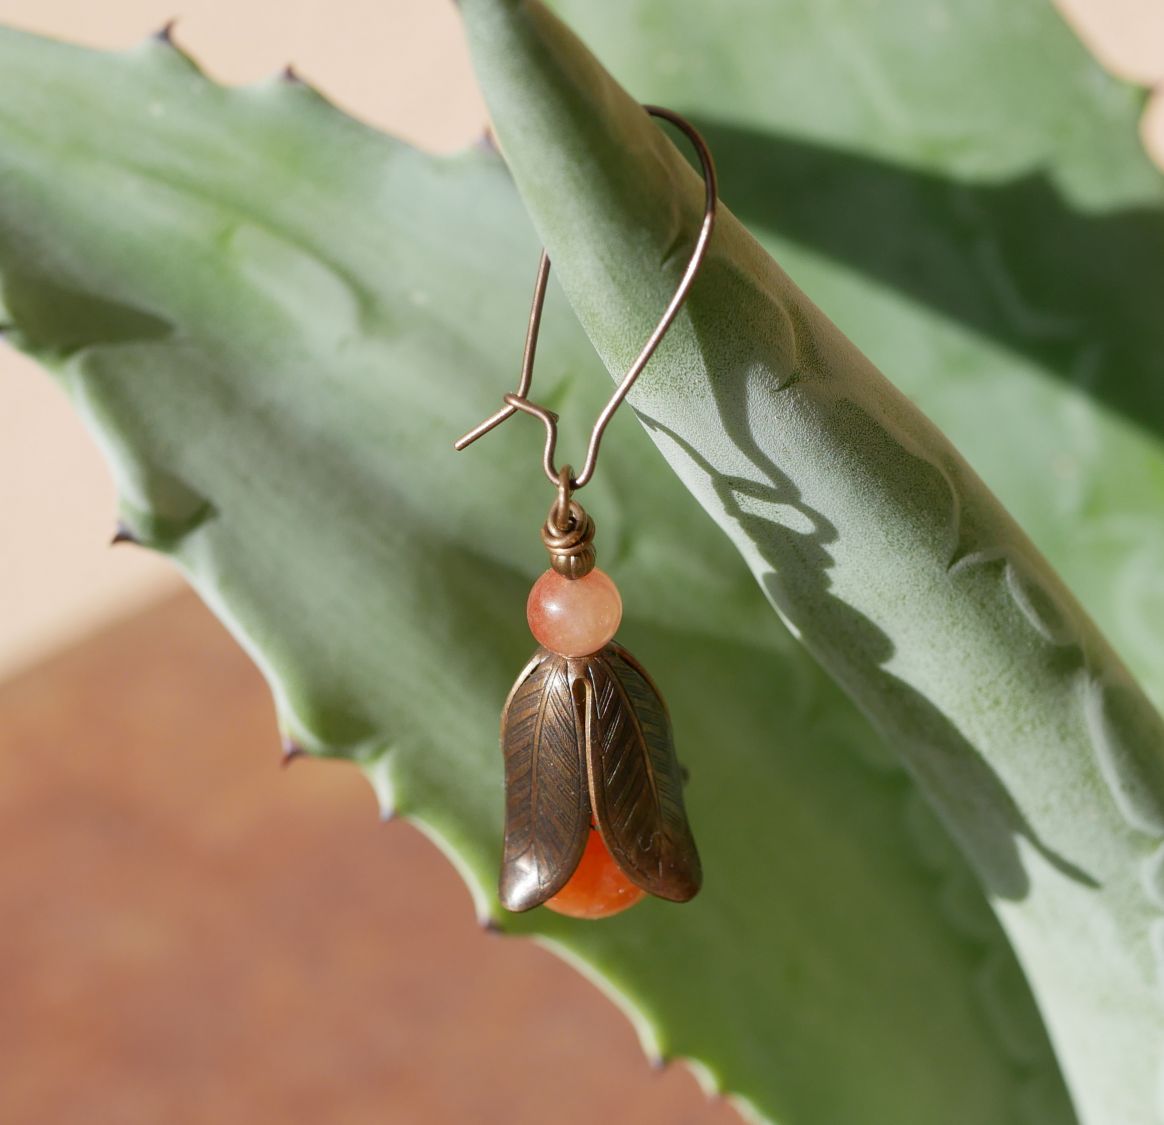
(400, 64)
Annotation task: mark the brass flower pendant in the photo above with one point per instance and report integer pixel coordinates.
(587, 744)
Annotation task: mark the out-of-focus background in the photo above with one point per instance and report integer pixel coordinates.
(189, 933)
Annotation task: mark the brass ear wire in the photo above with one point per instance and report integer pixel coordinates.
(520, 401)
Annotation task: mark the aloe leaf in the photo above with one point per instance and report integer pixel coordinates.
(967, 196)
(274, 320)
(877, 544)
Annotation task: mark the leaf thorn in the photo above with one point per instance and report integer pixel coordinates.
(165, 33)
(123, 534)
(291, 751)
(291, 76)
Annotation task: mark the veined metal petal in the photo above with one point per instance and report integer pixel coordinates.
(547, 805)
(589, 737)
(635, 781)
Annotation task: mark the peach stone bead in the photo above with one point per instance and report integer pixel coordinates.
(574, 617)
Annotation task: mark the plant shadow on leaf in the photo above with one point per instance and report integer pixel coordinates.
(1014, 261)
(979, 807)
(996, 821)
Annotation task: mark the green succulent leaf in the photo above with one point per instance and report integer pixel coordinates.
(275, 319)
(965, 193)
(877, 543)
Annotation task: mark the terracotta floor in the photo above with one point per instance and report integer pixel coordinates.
(189, 933)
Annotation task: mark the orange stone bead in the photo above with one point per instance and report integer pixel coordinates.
(574, 617)
(598, 888)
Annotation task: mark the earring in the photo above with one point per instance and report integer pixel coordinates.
(594, 816)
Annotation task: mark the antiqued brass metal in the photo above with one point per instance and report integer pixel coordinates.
(589, 738)
(568, 532)
(547, 804)
(520, 400)
(572, 552)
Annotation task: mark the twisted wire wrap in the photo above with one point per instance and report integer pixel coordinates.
(570, 541)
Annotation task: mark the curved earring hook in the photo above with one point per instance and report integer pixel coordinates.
(520, 400)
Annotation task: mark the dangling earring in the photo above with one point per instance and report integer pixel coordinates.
(594, 816)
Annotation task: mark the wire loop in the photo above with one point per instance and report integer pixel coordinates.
(560, 513)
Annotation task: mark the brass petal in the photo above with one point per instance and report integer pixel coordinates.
(547, 806)
(636, 784)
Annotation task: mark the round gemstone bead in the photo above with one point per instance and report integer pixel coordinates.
(574, 617)
(597, 889)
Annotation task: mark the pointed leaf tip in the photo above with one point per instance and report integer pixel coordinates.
(291, 751)
(165, 33)
(291, 76)
(124, 535)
